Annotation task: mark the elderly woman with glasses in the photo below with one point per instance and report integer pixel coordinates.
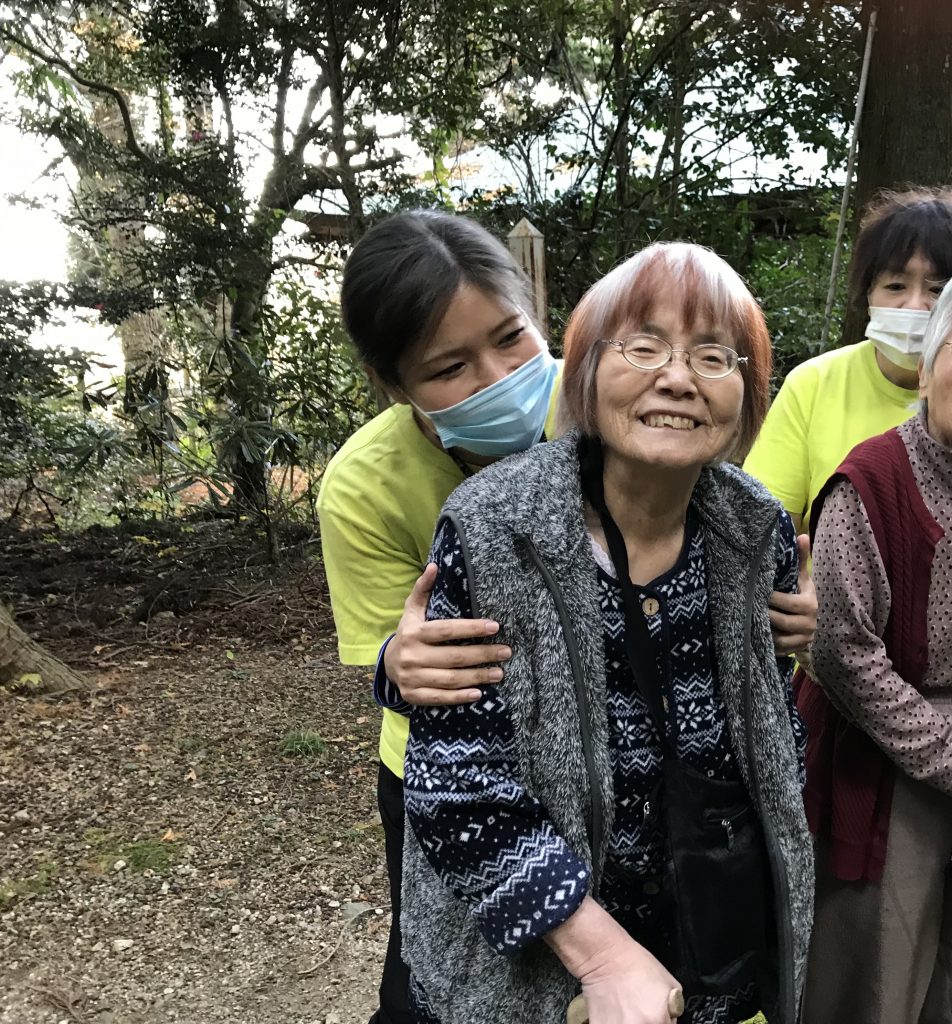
(879, 781)
(623, 816)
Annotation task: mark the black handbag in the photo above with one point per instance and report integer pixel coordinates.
(715, 888)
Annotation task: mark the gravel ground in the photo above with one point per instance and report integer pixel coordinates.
(163, 860)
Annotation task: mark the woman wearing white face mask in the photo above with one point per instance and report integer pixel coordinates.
(829, 404)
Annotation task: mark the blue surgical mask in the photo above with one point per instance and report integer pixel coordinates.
(508, 416)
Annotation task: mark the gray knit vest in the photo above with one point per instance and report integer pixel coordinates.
(537, 495)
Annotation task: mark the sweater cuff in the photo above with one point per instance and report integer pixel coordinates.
(547, 886)
(386, 693)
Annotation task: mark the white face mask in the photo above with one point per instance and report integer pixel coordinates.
(898, 333)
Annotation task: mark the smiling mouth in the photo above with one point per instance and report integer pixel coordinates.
(672, 422)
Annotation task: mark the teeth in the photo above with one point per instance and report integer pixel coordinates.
(676, 422)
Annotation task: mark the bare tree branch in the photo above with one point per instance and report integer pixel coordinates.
(132, 143)
(298, 261)
(222, 90)
(664, 48)
(307, 129)
(283, 83)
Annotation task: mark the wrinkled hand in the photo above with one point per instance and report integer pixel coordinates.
(793, 616)
(621, 981)
(629, 986)
(429, 661)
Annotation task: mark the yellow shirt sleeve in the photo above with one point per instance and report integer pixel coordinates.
(369, 577)
(378, 504)
(780, 457)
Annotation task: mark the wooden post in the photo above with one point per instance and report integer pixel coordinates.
(527, 244)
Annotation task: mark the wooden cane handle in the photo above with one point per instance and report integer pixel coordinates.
(578, 1010)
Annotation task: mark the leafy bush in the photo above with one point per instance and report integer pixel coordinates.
(130, 447)
(42, 404)
(791, 278)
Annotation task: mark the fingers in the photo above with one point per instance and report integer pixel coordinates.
(789, 622)
(451, 686)
(795, 643)
(427, 697)
(436, 662)
(448, 631)
(435, 667)
(441, 631)
(458, 655)
(793, 604)
(791, 633)
(793, 616)
(431, 684)
(469, 657)
(803, 553)
(419, 596)
(455, 678)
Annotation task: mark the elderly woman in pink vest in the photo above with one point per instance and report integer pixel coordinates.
(879, 759)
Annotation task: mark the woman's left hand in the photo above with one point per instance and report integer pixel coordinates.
(793, 616)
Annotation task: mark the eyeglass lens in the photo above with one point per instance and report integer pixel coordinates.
(650, 353)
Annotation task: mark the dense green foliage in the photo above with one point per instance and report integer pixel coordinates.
(42, 405)
(213, 246)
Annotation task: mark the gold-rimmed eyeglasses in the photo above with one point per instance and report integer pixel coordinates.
(646, 352)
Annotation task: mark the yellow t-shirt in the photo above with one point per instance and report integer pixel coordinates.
(380, 497)
(826, 407)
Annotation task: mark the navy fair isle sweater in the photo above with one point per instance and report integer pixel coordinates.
(493, 844)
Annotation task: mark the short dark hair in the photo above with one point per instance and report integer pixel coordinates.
(403, 274)
(897, 225)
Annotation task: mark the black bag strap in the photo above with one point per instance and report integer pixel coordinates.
(638, 643)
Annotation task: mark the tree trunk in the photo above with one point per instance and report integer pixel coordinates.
(142, 335)
(143, 348)
(24, 664)
(247, 386)
(678, 95)
(906, 129)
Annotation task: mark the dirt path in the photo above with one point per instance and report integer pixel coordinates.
(162, 859)
(240, 862)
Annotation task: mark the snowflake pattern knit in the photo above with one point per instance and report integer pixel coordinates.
(493, 844)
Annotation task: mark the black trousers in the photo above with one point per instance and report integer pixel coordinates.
(395, 983)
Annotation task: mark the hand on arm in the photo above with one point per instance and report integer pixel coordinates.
(621, 981)
(431, 662)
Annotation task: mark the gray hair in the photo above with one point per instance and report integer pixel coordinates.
(938, 329)
(701, 287)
